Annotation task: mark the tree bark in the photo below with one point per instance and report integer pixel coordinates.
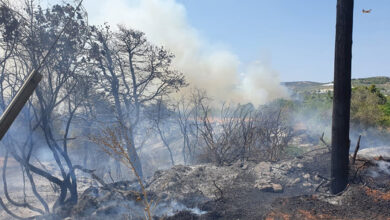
(342, 96)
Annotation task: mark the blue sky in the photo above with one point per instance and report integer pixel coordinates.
(295, 37)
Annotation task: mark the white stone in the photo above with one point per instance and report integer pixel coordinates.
(297, 180)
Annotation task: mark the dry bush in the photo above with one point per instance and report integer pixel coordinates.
(244, 133)
(273, 131)
(113, 141)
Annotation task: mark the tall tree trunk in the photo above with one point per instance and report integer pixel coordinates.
(132, 152)
(342, 96)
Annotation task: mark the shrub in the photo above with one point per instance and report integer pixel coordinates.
(244, 133)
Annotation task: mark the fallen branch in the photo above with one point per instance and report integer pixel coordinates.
(92, 173)
(322, 177)
(322, 148)
(220, 191)
(358, 169)
(322, 183)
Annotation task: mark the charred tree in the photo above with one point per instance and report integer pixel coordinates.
(133, 73)
(342, 96)
(52, 44)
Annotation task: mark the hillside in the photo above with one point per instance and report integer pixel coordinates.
(382, 82)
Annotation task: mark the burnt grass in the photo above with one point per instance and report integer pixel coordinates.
(236, 202)
(361, 203)
(365, 198)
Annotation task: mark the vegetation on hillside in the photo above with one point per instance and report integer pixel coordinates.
(371, 80)
(369, 107)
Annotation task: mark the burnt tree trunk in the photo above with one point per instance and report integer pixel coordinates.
(342, 96)
(18, 102)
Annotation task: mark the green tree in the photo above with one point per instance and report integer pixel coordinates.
(365, 106)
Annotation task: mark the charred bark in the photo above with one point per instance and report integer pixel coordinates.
(18, 102)
(342, 96)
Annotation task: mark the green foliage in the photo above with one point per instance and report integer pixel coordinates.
(374, 90)
(317, 101)
(293, 151)
(386, 111)
(371, 80)
(369, 107)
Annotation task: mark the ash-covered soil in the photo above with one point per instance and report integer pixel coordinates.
(294, 188)
(367, 197)
(240, 191)
(357, 202)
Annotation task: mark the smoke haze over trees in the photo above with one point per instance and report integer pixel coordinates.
(119, 102)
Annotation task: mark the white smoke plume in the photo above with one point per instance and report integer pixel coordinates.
(205, 66)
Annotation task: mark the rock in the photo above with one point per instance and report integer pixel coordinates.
(277, 188)
(307, 184)
(299, 165)
(273, 187)
(179, 182)
(297, 180)
(306, 176)
(262, 167)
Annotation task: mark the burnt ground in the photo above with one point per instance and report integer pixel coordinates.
(367, 197)
(359, 202)
(295, 188)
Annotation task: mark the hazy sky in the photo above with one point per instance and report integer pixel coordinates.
(297, 36)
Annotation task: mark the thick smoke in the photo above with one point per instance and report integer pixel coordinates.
(204, 65)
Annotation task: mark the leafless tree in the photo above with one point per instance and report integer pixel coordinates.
(132, 73)
(161, 117)
(9, 25)
(63, 87)
(188, 116)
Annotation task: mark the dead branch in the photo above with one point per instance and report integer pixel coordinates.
(318, 187)
(356, 150)
(322, 148)
(219, 190)
(324, 142)
(92, 173)
(13, 214)
(322, 177)
(104, 184)
(5, 187)
(111, 140)
(359, 168)
(52, 185)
